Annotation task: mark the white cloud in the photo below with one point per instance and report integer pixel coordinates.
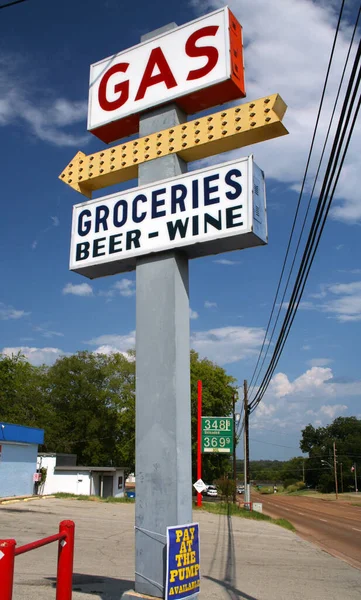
(320, 362)
(341, 300)
(346, 306)
(228, 344)
(45, 119)
(306, 347)
(8, 313)
(209, 304)
(287, 48)
(47, 333)
(56, 221)
(80, 289)
(111, 343)
(34, 244)
(334, 410)
(308, 383)
(193, 314)
(125, 287)
(226, 261)
(36, 356)
(314, 397)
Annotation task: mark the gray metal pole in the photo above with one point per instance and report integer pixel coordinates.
(245, 441)
(163, 411)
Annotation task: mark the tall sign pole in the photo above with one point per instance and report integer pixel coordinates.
(163, 444)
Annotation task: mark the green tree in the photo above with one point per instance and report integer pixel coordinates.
(346, 433)
(217, 401)
(23, 393)
(93, 399)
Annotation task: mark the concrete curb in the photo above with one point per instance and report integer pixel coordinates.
(23, 499)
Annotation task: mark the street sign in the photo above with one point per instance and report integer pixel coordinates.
(217, 434)
(200, 486)
(199, 64)
(217, 209)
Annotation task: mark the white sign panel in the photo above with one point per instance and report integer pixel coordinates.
(200, 486)
(175, 64)
(213, 210)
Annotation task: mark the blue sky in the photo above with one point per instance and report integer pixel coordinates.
(47, 311)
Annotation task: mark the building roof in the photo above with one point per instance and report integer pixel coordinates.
(20, 434)
(80, 468)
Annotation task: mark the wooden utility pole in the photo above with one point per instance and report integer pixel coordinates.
(246, 443)
(335, 468)
(341, 478)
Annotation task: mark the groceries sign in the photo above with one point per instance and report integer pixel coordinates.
(198, 65)
(213, 210)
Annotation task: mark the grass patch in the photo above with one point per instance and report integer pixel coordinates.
(224, 508)
(110, 499)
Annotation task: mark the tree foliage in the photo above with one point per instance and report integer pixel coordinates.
(346, 433)
(86, 405)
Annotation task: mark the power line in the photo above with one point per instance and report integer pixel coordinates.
(11, 3)
(297, 211)
(326, 196)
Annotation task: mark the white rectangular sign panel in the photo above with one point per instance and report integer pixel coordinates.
(213, 210)
(182, 63)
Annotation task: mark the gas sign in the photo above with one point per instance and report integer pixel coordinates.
(199, 65)
(217, 434)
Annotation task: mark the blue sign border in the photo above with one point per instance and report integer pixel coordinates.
(183, 562)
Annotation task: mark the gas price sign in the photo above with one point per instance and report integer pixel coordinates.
(217, 434)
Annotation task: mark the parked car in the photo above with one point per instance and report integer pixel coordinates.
(212, 491)
(240, 489)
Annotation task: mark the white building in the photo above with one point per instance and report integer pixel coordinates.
(63, 475)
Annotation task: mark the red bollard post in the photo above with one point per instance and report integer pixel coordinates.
(64, 582)
(7, 563)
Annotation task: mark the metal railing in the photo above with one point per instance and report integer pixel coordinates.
(64, 579)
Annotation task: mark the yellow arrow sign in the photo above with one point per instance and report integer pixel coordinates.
(229, 129)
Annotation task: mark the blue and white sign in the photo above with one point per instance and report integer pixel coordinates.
(213, 210)
(183, 562)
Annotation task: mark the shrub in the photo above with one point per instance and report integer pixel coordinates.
(289, 482)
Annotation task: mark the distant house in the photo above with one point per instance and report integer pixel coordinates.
(18, 452)
(64, 475)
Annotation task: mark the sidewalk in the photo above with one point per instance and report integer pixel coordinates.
(240, 559)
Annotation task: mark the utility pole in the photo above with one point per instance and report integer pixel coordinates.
(247, 495)
(355, 471)
(341, 479)
(335, 468)
(303, 471)
(234, 450)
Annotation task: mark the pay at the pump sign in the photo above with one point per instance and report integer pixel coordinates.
(204, 212)
(183, 568)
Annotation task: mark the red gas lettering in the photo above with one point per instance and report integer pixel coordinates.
(120, 88)
(193, 51)
(158, 59)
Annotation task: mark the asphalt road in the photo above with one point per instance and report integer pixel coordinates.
(333, 525)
